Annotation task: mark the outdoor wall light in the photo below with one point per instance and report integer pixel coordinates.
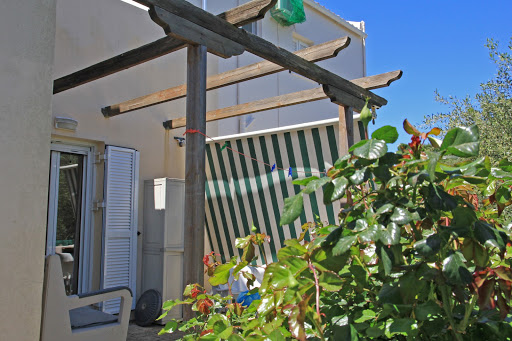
(180, 140)
(65, 123)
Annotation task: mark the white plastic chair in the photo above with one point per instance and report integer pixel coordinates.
(70, 318)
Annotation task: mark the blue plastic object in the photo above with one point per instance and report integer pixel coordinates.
(245, 300)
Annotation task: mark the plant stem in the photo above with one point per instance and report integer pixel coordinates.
(312, 267)
(448, 310)
(469, 309)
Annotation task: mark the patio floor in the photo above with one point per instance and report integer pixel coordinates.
(136, 333)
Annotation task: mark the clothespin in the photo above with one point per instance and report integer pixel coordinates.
(273, 168)
(224, 146)
(290, 173)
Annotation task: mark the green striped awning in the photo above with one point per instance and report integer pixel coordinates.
(241, 191)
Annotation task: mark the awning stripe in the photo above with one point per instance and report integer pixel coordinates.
(227, 198)
(240, 191)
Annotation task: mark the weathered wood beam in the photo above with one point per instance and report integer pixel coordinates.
(239, 16)
(193, 34)
(269, 51)
(372, 82)
(314, 54)
(195, 177)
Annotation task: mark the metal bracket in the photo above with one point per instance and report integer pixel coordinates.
(96, 205)
(99, 158)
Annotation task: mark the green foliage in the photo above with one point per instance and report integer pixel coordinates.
(421, 253)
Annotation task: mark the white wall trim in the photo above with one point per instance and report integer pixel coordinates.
(331, 15)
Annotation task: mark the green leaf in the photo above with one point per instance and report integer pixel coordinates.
(430, 246)
(503, 195)
(296, 244)
(343, 245)
(324, 259)
(386, 208)
(426, 311)
(293, 207)
(388, 134)
(386, 257)
(279, 276)
(170, 327)
(401, 216)
(433, 158)
(335, 190)
(236, 337)
(287, 252)
(358, 144)
(489, 236)
(304, 182)
(296, 320)
(391, 234)
(316, 184)
(330, 281)
(361, 225)
(359, 176)
(366, 315)
(462, 142)
(371, 150)
(221, 274)
(401, 326)
(295, 264)
(506, 165)
(455, 270)
(438, 199)
(371, 234)
(463, 216)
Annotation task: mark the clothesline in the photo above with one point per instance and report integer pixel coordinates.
(272, 167)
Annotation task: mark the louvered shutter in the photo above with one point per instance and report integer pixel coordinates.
(120, 221)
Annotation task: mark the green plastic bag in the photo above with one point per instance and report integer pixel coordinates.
(289, 12)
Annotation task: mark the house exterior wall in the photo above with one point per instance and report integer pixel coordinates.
(318, 28)
(91, 31)
(26, 58)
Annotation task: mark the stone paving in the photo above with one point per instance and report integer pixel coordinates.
(136, 333)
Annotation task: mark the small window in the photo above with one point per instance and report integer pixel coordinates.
(251, 28)
(300, 42)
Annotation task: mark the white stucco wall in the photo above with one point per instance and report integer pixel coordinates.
(26, 58)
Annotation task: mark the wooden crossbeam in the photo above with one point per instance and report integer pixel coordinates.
(317, 94)
(314, 54)
(262, 48)
(238, 16)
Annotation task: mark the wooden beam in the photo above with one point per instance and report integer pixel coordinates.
(268, 51)
(195, 176)
(191, 33)
(372, 82)
(314, 54)
(342, 128)
(239, 16)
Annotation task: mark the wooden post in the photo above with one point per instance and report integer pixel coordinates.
(195, 176)
(346, 129)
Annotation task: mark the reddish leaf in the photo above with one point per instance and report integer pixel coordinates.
(485, 295)
(506, 288)
(297, 318)
(503, 307)
(207, 331)
(504, 273)
(410, 129)
(203, 306)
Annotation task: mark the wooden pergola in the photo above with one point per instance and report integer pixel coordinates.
(188, 26)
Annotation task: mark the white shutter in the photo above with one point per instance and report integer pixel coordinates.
(120, 222)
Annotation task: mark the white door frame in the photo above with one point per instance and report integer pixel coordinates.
(87, 227)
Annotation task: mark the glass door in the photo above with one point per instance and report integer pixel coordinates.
(66, 212)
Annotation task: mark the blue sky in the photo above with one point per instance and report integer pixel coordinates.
(438, 44)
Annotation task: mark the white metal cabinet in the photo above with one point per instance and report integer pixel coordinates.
(162, 257)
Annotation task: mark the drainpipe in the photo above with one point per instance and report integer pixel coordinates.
(205, 4)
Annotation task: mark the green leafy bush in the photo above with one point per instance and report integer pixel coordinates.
(421, 252)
